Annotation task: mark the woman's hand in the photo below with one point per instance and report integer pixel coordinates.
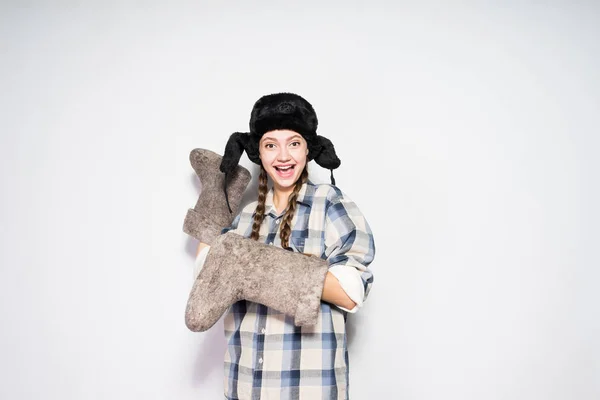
(201, 245)
(333, 293)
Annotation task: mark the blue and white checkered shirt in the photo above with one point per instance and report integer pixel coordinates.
(268, 357)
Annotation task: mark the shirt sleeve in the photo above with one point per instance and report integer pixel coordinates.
(349, 248)
(233, 226)
(351, 283)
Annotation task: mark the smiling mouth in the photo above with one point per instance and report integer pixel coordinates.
(284, 169)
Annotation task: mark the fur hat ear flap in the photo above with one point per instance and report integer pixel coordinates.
(327, 158)
(233, 152)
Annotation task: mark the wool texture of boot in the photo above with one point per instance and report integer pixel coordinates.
(238, 268)
(211, 214)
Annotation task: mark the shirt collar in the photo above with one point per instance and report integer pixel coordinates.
(305, 198)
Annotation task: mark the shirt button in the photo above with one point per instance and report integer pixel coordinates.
(263, 330)
(260, 360)
(277, 221)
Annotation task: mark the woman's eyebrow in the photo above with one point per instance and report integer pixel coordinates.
(288, 139)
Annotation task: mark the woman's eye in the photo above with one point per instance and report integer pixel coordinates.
(296, 143)
(268, 145)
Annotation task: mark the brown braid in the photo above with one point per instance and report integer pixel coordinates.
(260, 207)
(286, 228)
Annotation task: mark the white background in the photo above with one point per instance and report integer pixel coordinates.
(468, 135)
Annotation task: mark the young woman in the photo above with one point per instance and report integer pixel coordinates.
(282, 344)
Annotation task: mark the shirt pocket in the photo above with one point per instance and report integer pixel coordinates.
(307, 245)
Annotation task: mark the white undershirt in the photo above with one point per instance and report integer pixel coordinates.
(349, 278)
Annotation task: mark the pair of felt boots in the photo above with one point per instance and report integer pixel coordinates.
(237, 268)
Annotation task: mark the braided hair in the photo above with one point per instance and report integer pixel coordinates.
(286, 228)
(260, 207)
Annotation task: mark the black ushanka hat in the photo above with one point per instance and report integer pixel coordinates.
(279, 111)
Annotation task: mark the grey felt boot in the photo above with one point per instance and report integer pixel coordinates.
(211, 214)
(238, 268)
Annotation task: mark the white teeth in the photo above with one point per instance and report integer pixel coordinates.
(284, 168)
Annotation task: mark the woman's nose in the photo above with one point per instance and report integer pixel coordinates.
(283, 154)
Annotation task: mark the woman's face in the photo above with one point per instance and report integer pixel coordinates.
(283, 155)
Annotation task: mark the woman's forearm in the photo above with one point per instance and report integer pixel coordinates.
(333, 293)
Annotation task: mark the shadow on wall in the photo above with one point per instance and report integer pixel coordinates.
(350, 330)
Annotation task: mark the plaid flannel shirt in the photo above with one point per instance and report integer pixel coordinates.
(267, 356)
